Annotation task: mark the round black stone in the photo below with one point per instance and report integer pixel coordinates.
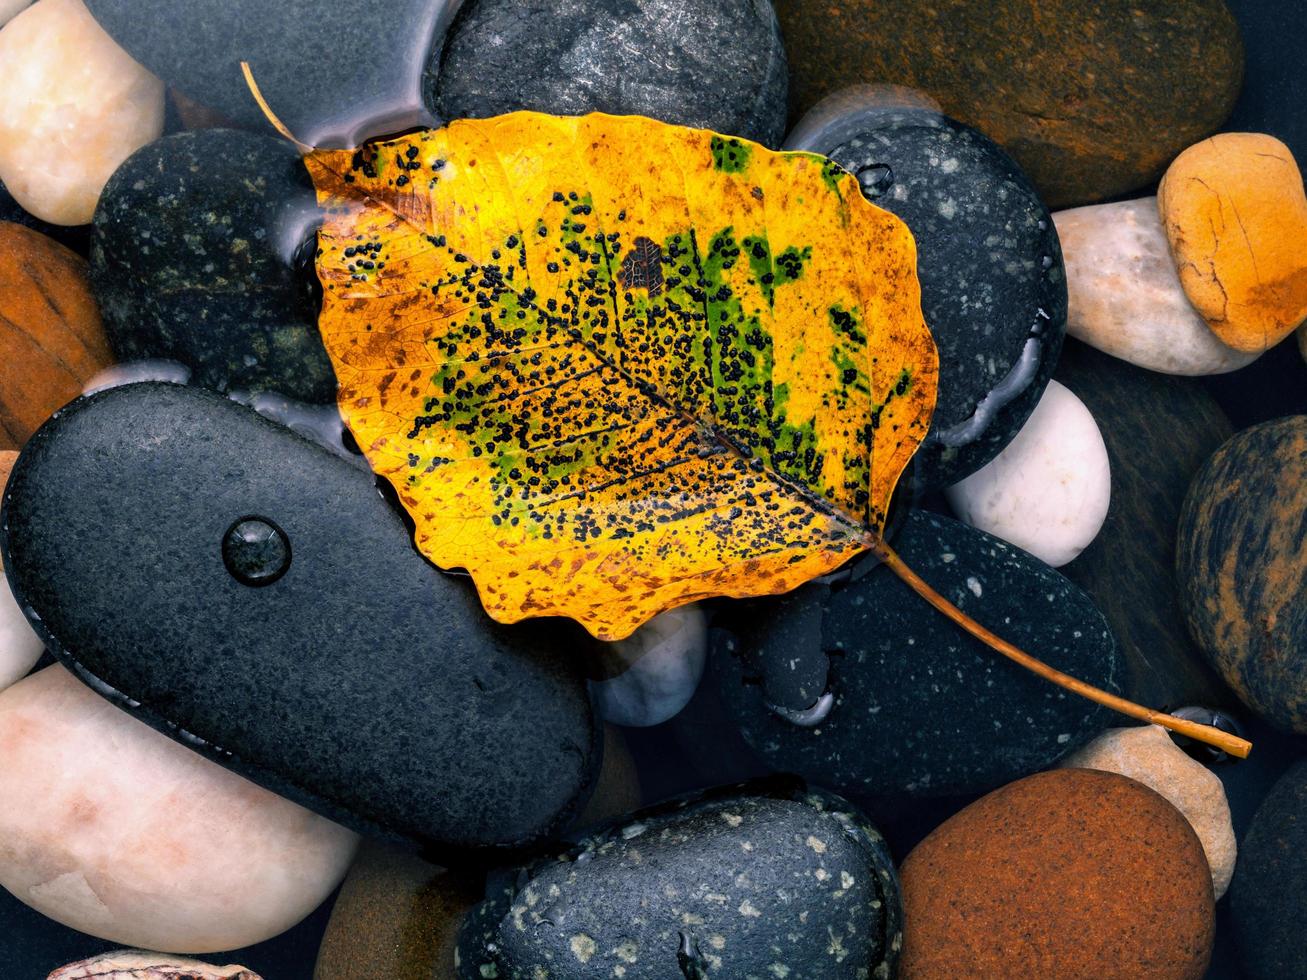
(256, 551)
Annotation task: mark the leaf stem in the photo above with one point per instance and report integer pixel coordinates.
(1231, 744)
(271, 116)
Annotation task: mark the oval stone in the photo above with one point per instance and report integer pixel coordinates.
(865, 688)
(1071, 873)
(743, 882)
(1242, 567)
(710, 64)
(199, 253)
(362, 683)
(992, 284)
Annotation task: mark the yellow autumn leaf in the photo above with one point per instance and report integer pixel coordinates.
(612, 365)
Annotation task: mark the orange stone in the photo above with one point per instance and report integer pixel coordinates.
(51, 339)
(1065, 874)
(1236, 216)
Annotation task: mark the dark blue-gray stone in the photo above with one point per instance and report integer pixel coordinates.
(334, 71)
(764, 880)
(712, 64)
(363, 682)
(877, 694)
(1268, 895)
(993, 288)
(201, 252)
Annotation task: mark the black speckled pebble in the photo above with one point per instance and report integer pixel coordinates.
(334, 71)
(915, 705)
(362, 682)
(764, 880)
(1269, 893)
(712, 64)
(201, 253)
(993, 288)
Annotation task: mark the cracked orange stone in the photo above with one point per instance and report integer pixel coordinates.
(1236, 216)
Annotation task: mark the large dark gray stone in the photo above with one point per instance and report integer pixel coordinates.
(361, 682)
(334, 71)
(865, 688)
(993, 288)
(201, 253)
(712, 64)
(1159, 430)
(756, 881)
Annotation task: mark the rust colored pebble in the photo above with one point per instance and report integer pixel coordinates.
(1235, 213)
(1065, 874)
(51, 339)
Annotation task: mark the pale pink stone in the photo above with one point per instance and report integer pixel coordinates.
(75, 107)
(135, 964)
(116, 830)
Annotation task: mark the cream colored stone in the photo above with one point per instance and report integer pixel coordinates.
(1125, 296)
(1048, 491)
(20, 647)
(136, 964)
(10, 8)
(75, 106)
(1148, 755)
(116, 830)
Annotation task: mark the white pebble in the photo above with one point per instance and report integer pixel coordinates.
(666, 657)
(1147, 755)
(117, 831)
(1125, 294)
(137, 964)
(1048, 491)
(75, 107)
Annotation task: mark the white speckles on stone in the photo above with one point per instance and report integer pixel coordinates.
(846, 880)
(973, 584)
(75, 107)
(1125, 293)
(1049, 490)
(948, 209)
(816, 844)
(731, 819)
(583, 947)
(749, 910)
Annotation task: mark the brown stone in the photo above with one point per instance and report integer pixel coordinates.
(8, 458)
(51, 340)
(1092, 97)
(618, 790)
(1235, 213)
(397, 917)
(1065, 874)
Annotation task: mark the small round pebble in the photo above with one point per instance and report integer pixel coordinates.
(1242, 567)
(663, 663)
(1048, 490)
(710, 64)
(1235, 213)
(76, 106)
(1269, 895)
(1125, 296)
(1069, 874)
(1149, 755)
(117, 831)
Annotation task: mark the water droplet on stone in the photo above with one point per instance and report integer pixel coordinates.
(809, 717)
(875, 179)
(256, 551)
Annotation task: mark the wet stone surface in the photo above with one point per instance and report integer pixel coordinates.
(865, 688)
(759, 880)
(200, 253)
(362, 683)
(711, 64)
(993, 288)
(333, 75)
